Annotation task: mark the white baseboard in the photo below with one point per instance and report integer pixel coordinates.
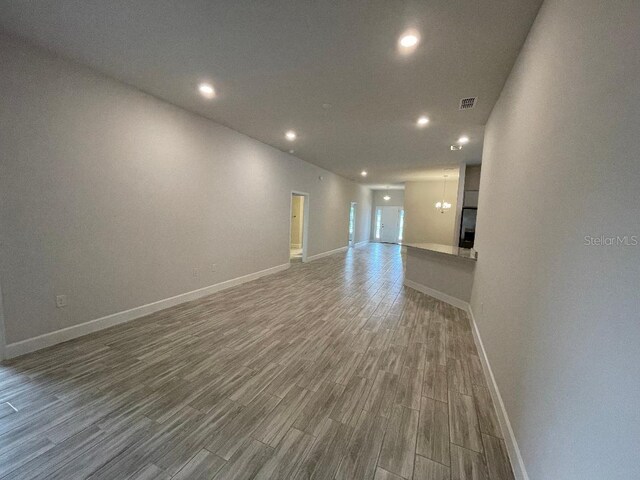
(360, 244)
(48, 339)
(517, 463)
(456, 302)
(326, 254)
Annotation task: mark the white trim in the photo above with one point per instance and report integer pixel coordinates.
(326, 254)
(456, 302)
(519, 470)
(69, 333)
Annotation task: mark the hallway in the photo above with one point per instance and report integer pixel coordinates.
(331, 369)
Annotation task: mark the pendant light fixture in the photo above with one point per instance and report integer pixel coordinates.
(443, 206)
(386, 197)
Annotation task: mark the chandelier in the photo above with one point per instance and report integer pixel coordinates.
(443, 206)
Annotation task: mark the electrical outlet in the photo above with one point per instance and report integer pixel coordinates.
(61, 301)
(196, 272)
(214, 267)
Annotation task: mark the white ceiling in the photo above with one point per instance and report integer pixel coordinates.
(275, 63)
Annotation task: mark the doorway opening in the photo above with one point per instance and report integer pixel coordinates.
(389, 225)
(352, 223)
(298, 227)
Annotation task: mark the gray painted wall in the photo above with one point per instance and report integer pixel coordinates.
(423, 223)
(113, 197)
(561, 320)
(447, 274)
(396, 200)
(472, 177)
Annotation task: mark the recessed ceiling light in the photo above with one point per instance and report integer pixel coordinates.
(363, 173)
(463, 139)
(456, 147)
(326, 106)
(386, 198)
(291, 135)
(206, 90)
(292, 151)
(422, 121)
(409, 39)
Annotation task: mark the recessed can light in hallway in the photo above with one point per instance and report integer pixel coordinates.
(291, 135)
(207, 90)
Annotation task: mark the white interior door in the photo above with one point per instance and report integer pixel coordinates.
(390, 224)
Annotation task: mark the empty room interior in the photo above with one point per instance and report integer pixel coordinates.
(337, 240)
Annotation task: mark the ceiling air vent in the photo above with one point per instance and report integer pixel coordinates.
(468, 103)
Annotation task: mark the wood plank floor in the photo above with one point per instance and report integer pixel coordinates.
(330, 370)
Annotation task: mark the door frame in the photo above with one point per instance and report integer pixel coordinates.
(352, 241)
(305, 223)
